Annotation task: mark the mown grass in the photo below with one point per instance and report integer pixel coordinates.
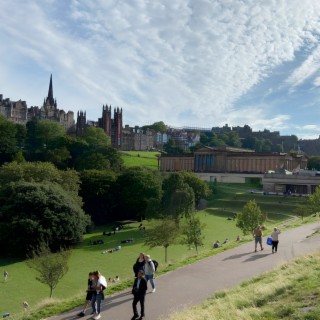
(86, 257)
(289, 292)
(146, 159)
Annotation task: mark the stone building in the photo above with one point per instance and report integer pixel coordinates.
(15, 111)
(112, 127)
(135, 138)
(232, 160)
(18, 112)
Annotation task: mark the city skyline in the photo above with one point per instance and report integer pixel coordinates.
(187, 63)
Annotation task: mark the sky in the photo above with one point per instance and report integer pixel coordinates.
(196, 63)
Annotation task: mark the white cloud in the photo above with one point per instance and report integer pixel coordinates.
(307, 69)
(163, 60)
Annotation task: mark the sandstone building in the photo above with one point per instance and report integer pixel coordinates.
(18, 112)
(231, 160)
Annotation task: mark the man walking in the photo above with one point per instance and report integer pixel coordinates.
(257, 233)
(139, 292)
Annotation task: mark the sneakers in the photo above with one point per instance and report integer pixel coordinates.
(153, 290)
(134, 317)
(98, 316)
(81, 314)
(141, 318)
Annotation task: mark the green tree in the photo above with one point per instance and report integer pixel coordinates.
(200, 188)
(249, 217)
(8, 141)
(98, 194)
(41, 172)
(171, 147)
(46, 141)
(217, 140)
(96, 138)
(157, 126)
(138, 187)
(34, 213)
(192, 232)
(232, 139)
(314, 163)
(178, 197)
(162, 233)
(93, 150)
(51, 267)
(249, 142)
(313, 204)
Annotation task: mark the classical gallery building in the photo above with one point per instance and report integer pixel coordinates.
(231, 160)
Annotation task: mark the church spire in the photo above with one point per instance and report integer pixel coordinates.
(50, 99)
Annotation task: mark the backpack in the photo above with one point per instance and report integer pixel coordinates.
(155, 264)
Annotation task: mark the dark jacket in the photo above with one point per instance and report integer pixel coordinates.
(138, 266)
(141, 291)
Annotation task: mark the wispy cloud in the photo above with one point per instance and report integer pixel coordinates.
(162, 60)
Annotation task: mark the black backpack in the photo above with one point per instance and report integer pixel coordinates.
(155, 264)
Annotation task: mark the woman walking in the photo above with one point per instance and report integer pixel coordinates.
(139, 265)
(275, 239)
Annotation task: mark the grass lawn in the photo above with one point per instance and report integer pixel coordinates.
(288, 292)
(22, 285)
(146, 159)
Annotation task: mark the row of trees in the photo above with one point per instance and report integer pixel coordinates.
(42, 204)
(46, 141)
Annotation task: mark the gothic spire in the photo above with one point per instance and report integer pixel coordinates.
(50, 93)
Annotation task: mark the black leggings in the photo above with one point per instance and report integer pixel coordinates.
(275, 245)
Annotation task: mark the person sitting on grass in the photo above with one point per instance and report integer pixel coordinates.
(217, 244)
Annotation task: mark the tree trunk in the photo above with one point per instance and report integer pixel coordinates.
(165, 254)
(51, 292)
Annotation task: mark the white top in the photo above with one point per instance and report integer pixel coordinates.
(101, 281)
(275, 234)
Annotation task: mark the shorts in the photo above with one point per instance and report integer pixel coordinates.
(258, 240)
(89, 295)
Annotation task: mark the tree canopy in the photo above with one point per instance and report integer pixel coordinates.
(162, 233)
(249, 217)
(138, 187)
(35, 213)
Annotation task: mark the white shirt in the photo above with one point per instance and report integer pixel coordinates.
(101, 281)
(275, 234)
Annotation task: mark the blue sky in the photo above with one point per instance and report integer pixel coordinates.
(201, 63)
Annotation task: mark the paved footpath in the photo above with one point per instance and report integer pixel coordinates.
(192, 284)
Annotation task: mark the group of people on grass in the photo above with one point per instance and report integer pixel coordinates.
(144, 270)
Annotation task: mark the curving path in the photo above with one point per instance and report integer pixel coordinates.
(192, 284)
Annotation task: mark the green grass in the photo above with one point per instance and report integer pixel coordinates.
(290, 292)
(146, 159)
(86, 257)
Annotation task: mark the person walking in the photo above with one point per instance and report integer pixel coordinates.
(275, 239)
(89, 295)
(139, 292)
(5, 275)
(149, 271)
(257, 233)
(139, 265)
(98, 295)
